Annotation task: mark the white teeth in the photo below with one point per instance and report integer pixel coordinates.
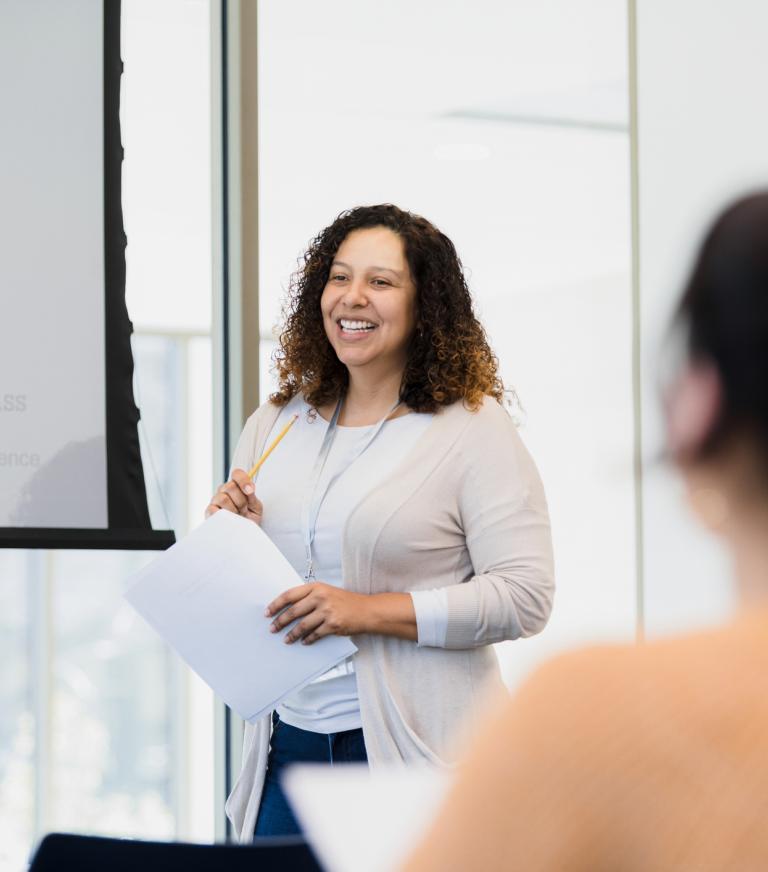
(356, 325)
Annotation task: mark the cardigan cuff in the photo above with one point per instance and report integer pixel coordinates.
(431, 607)
(463, 609)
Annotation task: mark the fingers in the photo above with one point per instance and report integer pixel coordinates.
(311, 625)
(238, 495)
(221, 500)
(288, 616)
(244, 485)
(234, 491)
(288, 598)
(240, 478)
(254, 507)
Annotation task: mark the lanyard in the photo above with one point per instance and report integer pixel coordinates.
(311, 506)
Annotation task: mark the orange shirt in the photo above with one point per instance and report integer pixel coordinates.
(621, 758)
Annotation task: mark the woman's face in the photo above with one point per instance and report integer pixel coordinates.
(369, 301)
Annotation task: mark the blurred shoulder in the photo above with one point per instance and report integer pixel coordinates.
(570, 687)
(639, 690)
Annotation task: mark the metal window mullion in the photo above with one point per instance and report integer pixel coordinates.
(40, 590)
(219, 344)
(178, 671)
(235, 212)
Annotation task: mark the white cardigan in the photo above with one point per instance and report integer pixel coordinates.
(465, 510)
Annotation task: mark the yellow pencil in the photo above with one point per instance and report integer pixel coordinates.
(272, 447)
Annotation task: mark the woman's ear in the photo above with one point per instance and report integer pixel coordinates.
(693, 404)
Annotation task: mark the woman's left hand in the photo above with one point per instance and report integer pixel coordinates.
(324, 610)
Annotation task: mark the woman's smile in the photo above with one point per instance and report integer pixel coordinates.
(355, 330)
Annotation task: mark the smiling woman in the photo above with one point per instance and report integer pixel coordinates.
(368, 310)
(403, 492)
(380, 259)
(346, 292)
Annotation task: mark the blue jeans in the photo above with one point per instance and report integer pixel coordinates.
(291, 745)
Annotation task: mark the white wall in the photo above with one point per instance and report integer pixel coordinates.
(703, 139)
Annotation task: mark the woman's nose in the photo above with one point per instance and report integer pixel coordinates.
(355, 294)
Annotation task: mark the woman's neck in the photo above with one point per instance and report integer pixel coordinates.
(369, 398)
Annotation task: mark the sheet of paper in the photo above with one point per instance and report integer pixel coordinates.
(206, 597)
(358, 820)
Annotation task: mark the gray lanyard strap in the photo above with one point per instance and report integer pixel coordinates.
(311, 506)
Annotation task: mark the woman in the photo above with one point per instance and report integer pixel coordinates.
(403, 492)
(654, 757)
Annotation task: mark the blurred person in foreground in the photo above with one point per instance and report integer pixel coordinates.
(655, 756)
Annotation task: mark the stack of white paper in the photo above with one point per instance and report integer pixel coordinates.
(206, 597)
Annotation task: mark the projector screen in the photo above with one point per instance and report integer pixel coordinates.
(70, 465)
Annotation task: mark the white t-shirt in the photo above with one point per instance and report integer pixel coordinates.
(330, 703)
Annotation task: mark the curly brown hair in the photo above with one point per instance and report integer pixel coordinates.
(449, 357)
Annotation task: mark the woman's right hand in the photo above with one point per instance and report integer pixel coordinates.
(238, 495)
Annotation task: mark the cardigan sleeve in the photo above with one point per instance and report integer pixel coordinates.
(505, 519)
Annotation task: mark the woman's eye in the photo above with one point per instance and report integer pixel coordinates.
(338, 278)
(381, 283)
